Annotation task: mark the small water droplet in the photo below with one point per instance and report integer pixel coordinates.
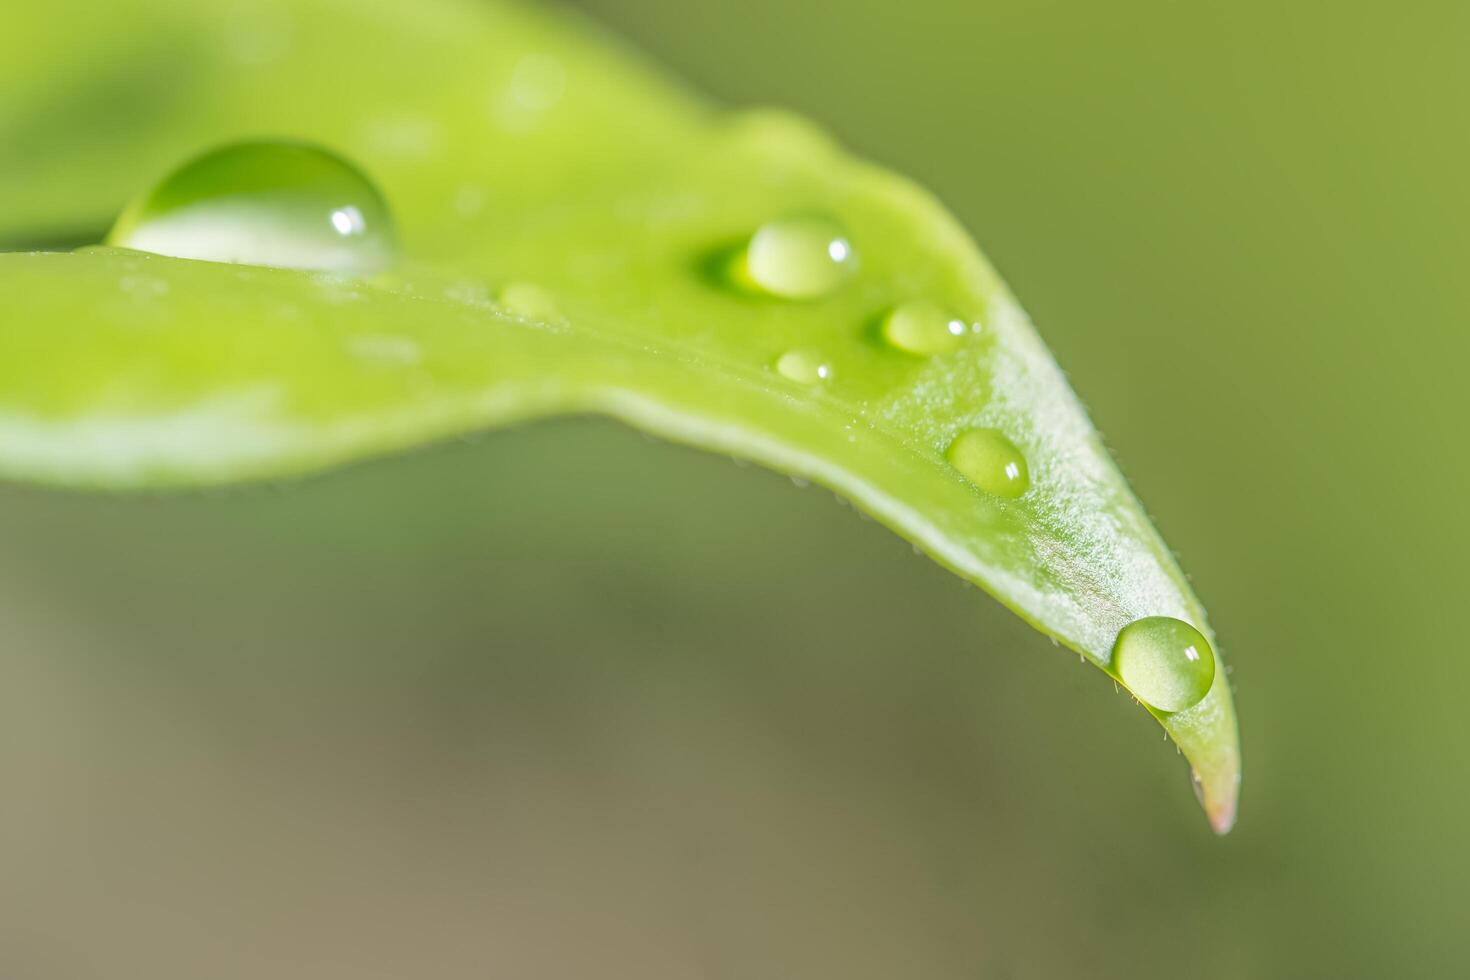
(529, 302)
(800, 258)
(288, 205)
(990, 461)
(804, 366)
(1165, 662)
(921, 327)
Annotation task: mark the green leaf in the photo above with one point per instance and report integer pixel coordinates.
(566, 219)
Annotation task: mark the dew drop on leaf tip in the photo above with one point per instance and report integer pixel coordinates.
(269, 203)
(1165, 662)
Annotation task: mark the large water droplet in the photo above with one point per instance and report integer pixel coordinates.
(805, 366)
(990, 461)
(800, 258)
(1165, 662)
(289, 205)
(920, 327)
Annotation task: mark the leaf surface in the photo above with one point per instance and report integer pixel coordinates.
(525, 155)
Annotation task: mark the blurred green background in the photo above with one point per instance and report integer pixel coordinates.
(564, 702)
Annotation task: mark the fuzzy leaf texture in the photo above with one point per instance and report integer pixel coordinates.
(519, 146)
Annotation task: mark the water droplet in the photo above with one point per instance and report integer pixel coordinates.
(800, 258)
(920, 327)
(1165, 662)
(529, 302)
(288, 205)
(805, 366)
(990, 461)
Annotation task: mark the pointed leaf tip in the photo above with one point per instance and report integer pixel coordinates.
(559, 203)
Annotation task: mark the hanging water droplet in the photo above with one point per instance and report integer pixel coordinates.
(800, 258)
(805, 366)
(288, 205)
(1165, 662)
(990, 461)
(921, 327)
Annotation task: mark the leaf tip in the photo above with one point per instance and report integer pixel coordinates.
(1219, 793)
(1221, 813)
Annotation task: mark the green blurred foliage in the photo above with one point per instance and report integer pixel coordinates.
(455, 714)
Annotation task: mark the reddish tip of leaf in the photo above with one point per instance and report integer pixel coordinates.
(1222, 815)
